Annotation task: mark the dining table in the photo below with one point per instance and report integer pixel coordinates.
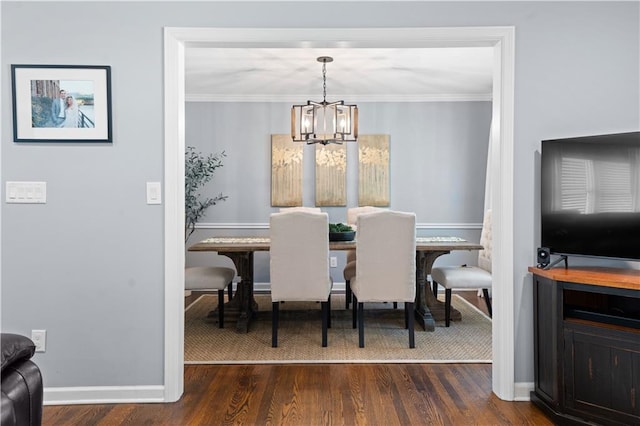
(428, 309)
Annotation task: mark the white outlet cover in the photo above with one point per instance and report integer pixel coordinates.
(39, 338)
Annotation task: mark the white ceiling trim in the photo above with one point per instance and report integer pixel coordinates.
(455, 97)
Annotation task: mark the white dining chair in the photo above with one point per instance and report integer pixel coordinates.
(300, 264)
(300, 209)
(350, 267)
(208, 278)
(385, 265)
(467, 277)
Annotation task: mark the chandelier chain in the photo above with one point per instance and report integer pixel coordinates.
(324, 82)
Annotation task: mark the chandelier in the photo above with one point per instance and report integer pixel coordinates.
(324, 122)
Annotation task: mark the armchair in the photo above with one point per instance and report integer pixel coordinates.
(22, 388)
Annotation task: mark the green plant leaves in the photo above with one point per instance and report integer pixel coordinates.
(198, 171)
(339, 227)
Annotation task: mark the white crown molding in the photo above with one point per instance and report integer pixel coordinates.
(444, 97)
(103, 395)
(213, 225)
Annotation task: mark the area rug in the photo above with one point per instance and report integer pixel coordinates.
(299, 336)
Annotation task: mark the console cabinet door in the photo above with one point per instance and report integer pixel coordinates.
(602, 375)
(546, 332)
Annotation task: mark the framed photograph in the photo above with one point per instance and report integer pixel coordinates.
(61, 103)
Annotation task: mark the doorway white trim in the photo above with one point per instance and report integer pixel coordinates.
(501, 38)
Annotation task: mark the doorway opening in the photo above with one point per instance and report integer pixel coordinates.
(500, 38)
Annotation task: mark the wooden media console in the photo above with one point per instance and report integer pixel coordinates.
(587, 345)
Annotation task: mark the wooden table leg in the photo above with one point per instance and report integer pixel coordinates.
(427, 307)
(243, 303)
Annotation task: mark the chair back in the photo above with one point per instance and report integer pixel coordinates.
(386, 257)
(352, 218)
(299, 253)
(484, 255)
(300, 209)
(354, 212)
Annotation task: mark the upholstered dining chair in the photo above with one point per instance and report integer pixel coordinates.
(467, 277)
(300, 263)
(205, 278)
(300, 209)
(385, 265)
(350, 267)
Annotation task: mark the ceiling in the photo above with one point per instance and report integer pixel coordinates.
(355, 75)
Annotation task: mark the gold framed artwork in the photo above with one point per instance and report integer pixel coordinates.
(331, 175)
(373, 170)
(286, 171)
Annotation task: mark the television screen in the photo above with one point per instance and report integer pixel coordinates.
(590, 196)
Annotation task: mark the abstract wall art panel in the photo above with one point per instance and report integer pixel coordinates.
(286, 171)
(331, 175)
(373, 170)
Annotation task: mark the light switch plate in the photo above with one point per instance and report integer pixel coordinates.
(26, 192)
(154, 193)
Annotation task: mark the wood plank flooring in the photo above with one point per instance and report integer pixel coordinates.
(334, 394)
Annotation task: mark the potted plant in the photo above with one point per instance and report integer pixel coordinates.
(199, 170)
(341, 232)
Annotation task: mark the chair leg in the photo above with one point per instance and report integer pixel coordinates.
(434, 288)
(360, 324)
(408, 307)
(329, 311)
(485, 292)
(230, 291)
(354, 309)
(221, 308)
(325, 322)
(347, 294)
(275, 306)
(406, 316)
(447, 307)
(395, 305)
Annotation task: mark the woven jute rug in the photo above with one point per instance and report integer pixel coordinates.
(299, 336)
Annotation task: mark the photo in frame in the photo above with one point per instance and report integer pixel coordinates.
(61, 103)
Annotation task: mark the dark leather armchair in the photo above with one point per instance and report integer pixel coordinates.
(21, 383)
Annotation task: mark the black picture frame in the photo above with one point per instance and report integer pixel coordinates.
(61, 103)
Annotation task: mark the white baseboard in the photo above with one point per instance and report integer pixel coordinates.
(522, 391)
(103, 395)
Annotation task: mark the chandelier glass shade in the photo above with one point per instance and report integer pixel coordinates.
(324, 122)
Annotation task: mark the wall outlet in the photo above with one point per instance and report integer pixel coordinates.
(39, 337)
(333, 262)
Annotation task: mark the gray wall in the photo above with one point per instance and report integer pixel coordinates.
(88, 265)
(438, 154)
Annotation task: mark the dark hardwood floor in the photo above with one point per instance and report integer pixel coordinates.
(331, 394)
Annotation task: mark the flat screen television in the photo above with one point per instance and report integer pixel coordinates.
(590, 196)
